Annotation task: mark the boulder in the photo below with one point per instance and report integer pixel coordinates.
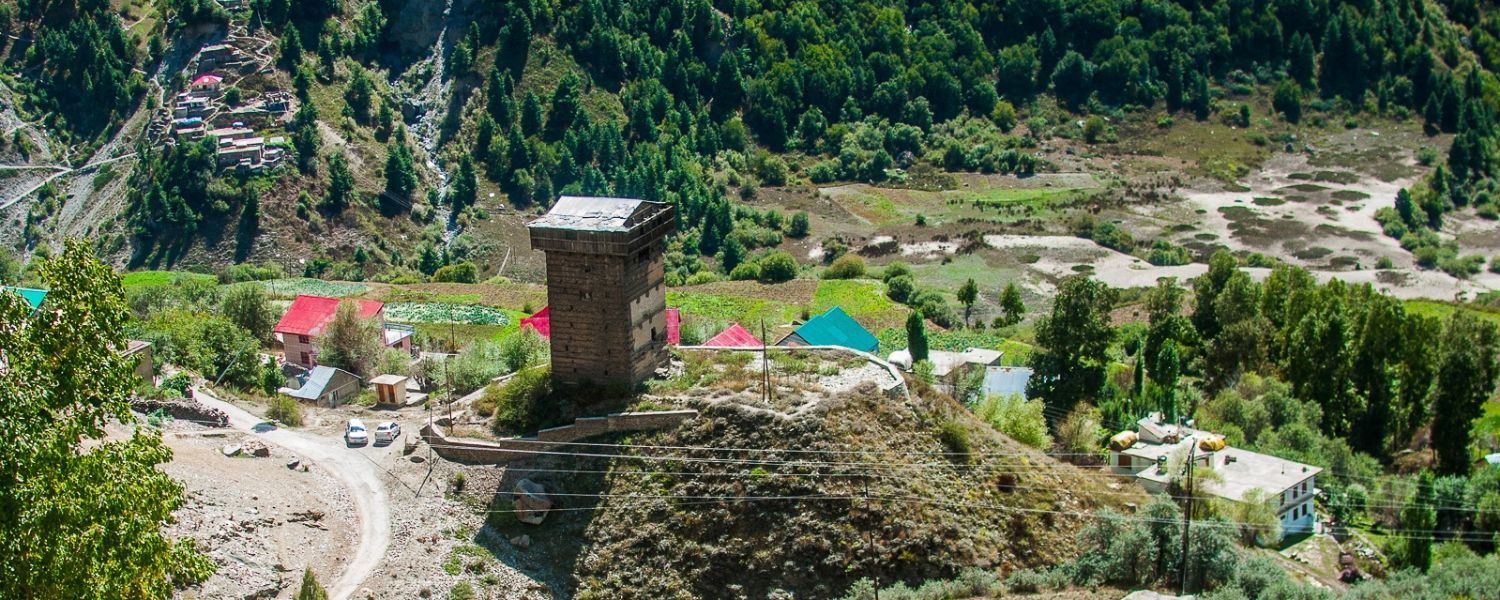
(231, 450)
(257, 449)
(531, 502)
(522, 541)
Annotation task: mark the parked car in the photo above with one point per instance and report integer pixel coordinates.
(355, 433)
(387, 432)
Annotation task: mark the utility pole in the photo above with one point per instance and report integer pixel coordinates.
(765, 366)
(869, 542)
(1187, 515)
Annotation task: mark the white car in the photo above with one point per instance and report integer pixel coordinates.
(387, 432)
(355, 433)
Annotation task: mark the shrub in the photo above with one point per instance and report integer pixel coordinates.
(895, 269)
(464, 272)
(249, 272)
(517, 401)
(799, 226)
(1384, 262)
(745, 271)
(955, 439)
(526, 348)
(702, 277)
(900, 288)
(1018, 418)
(179, 382)
(778, 266)
(848, 266)
(285, 409)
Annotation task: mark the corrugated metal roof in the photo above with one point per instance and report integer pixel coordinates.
(597, 214)
(734, 336)
(1004, 381)
(317, 381)
(837, 328)
(308, 314)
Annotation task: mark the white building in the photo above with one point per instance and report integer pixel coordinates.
(1144, 454)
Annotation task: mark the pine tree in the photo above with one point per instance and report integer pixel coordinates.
(1465, 378)
(465, 186)
(291, 49)
(340, 184)
(531, 114)
(916, 336)
(310, 589)
(1418, 519)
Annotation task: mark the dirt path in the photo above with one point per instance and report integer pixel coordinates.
(357, 473)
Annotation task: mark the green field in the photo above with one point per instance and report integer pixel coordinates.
(1441, 310)
(438, 312)
(150, 278)
(288, 288)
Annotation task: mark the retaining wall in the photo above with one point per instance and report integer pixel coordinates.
(469, 450)
(894, 389)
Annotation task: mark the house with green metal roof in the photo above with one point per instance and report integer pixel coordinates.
(31, 296)
(832, 328)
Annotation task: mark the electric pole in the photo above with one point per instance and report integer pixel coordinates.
(765, 366)
(1187, 515)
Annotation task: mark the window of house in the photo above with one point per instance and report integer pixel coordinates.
(302, 338)
(1124, 461)
(305, 358)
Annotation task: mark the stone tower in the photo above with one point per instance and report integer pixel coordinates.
(606, 288)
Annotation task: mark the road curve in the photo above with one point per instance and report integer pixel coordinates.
(357, 474)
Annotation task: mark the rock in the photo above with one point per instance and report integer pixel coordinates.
(231, 450)
(411, 445)
(417, 458)
(531, 502)
(522, 541)
(292, 464)
(367, 593)
(257, 449)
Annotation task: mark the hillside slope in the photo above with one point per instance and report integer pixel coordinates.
(858, 486)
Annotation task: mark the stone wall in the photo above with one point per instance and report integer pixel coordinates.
(468, 450)
(894, 388)
(183, 410)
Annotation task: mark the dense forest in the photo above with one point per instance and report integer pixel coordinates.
(766, 92)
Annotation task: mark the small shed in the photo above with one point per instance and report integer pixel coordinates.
(390, 389)
(326, 386)
(141, 351)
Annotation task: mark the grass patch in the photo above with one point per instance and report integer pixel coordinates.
(1303, 187)
(1349, 195)
(730, 308)
(1442, 310)
(1267, 201)
(150, 278)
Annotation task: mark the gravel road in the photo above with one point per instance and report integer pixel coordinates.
(355, 472)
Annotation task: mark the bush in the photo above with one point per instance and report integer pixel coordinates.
(778, 266)
(955, 439)
(848, 266)
(1020, 419)
(895, 269)
(745, 271)
(517, 401)
(249, 272)
(526, 348)
(799, 226)
(702, 277)
(464, 272)
(900, 288)
(286, 410)
(1384, 262)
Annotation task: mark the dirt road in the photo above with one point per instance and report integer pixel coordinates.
(356, 472)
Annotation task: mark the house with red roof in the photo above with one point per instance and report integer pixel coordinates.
(306, 318)
(207, 84)
(735, 336)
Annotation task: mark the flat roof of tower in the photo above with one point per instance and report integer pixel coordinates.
(597, 214)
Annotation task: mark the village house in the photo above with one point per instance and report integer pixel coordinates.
(1147, 452)
(306, 318)
(325, 386)
(832, 328)
(207, 85)
(189, 105)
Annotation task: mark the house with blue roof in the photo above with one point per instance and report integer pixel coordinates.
(326, 386)
(1005, 381)
(832, 328)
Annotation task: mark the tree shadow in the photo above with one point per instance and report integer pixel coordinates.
(549, 552)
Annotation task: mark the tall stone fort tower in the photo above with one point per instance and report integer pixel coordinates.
(606, 288)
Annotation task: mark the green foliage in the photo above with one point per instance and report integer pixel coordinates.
(798, 227)
(350, 342)
(249, 272)
(1287, 100)
(1465, 380)
(778, 266)
(848, 266)
(518, 401)
(248, 307)
(1018, 418)
(968, 294)
(85, 513)
(1074, 338)
(284, 409)
(310, 589)
(916, 336)
(524, 349)
(210, 344)
(954, 437)
(1012, 308)
(464, 272)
